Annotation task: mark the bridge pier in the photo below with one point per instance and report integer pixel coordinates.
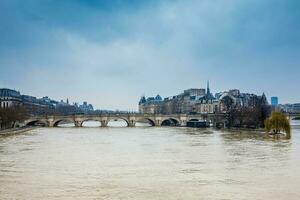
(50, 124)
(157, 121)
(104, 123)
(214, 124)
(50, 121)
(131, 123)
(78, 123)
(182, 123)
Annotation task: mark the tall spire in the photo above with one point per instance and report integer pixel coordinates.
(208, 90)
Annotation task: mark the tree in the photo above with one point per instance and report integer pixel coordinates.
(278, 123)
(9, 116)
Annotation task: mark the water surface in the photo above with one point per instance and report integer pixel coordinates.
(148, 163)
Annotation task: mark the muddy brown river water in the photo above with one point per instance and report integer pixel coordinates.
(148, 163)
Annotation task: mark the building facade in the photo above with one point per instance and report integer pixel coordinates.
(290, 108)
(12, 98)
(274, 101)
(9, 98)
(193, 101)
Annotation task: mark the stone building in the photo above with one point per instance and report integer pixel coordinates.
(38, 106)
(13, 98)
(190, 101)
(290, 108)
(85, 107)
(9, 98)
(234, 98)
(206, 103)
(193, 101)
(150, 105)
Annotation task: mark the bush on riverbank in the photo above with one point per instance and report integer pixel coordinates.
(278, 123)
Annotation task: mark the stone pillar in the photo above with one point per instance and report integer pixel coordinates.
(157, 123)
(183, 120)
(50, 124)
(182, 123)
(131, 123)
(78, 123)
(104, 123)
(215, 124)
(50, 121)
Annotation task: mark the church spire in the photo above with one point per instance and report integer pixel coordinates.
(208, 90)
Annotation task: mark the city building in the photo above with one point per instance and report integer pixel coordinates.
(34, 105)
(206, 103)
(290, 108)
(200, 101)
(85, 107)
(150, 105)
(190, 101)
(9, 98)
(274, 101)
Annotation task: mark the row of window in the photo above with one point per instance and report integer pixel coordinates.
(9, 98)
(4, 104)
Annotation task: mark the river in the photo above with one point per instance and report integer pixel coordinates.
(148, 163)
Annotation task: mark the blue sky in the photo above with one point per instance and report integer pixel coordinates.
(110, 52)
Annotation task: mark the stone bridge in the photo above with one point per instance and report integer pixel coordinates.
(130, 118)
(293, 116)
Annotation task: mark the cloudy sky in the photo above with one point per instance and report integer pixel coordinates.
(110, 52)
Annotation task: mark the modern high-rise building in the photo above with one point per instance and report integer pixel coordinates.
(274, 101)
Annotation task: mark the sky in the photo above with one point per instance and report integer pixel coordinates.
(111, 52)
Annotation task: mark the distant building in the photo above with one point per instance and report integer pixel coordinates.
(206, 103)
(150, 105)
(85, 107)
(13, 98)
(200, 101)
(274, 101)
(194, 92)
(290, 108)
(190, 101)
(38, 106)
(9, 98)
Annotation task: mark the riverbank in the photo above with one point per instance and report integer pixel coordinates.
(14, 131)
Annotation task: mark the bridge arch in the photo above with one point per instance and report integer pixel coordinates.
(193, 120)
(170, 122)
(57, 122)
(90, 120)
(111, 120)
(36, 122)
(296, 118)
(146, 120)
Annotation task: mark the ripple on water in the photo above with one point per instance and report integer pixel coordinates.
(148, 163)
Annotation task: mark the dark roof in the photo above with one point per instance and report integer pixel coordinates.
(4, 92)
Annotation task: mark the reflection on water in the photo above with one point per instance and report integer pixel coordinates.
(148, 163)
